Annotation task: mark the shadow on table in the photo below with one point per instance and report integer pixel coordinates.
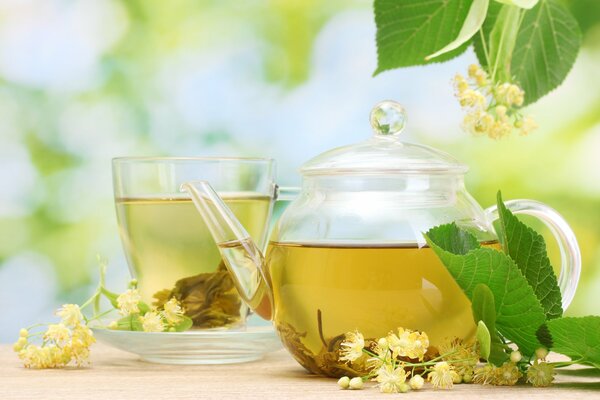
(583, 372)
(580, 373)
(578, 385)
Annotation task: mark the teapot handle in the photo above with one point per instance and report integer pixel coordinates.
(570, 254)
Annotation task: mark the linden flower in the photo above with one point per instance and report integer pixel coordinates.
(84, 335)
(484, 375)
(152, 322)
(442, 376)
(381, 352)
(58, 333)
(407, 343)
(128, 302)
(471, 98)
(70, 314)
(506, 375)
(390, 379)
(172, 311)
(463, 355)
(352, 348)
(540, 374)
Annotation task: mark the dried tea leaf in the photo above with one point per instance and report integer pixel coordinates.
(209, 299)
(292, 340)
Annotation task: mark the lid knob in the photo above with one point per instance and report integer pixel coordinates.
(387, 118)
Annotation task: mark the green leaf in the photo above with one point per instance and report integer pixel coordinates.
(185, 324)
(547, 45)
(527, 248)
(484, 339)
(143, 307)
(453, 239)
(519, 313)
(472, 23)
(520, 3)
(409, 30)
(130, 323)
(578, 338)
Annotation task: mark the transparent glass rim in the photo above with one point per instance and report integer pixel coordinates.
(143, 159)
(458, 171)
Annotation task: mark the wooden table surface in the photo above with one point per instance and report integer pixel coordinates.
(114, 374)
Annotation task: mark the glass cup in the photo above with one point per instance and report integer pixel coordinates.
(167, 244)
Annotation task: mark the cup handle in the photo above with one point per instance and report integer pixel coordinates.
(570, 254)
(286, 193)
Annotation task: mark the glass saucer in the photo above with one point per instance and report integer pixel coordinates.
(195, 346)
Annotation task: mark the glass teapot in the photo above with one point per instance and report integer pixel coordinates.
(349, 253)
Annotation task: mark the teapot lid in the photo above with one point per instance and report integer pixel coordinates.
(384, 152)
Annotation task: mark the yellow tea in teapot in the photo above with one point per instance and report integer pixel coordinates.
(323, 291)
(172, 254)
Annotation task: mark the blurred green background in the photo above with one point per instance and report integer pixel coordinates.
(84, 81)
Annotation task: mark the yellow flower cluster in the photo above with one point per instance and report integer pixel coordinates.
(393, 360)
(63, 343)
(492, 108)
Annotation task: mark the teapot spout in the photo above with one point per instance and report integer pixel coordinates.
(241, 255)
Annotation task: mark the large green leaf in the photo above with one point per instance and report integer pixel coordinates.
(527, 248)
(547, 45)
(410, 30)
(519, 313)
(578, 338)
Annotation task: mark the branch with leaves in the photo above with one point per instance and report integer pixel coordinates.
(525, 49)
(515, 295)
(516, 304)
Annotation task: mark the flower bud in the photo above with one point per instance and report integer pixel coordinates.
(456, 379)
(23, 332)
(344, 382)
(403, 388)
(383, 343)
(515, 356)
(18, 346)
(467, 378)
(416, 382)
(541, 353)
(355, 383)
